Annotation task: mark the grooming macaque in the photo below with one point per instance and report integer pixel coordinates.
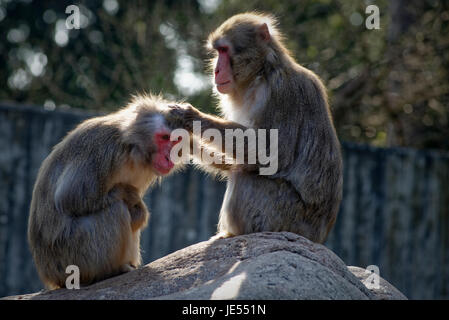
(261, 86)
(87, 207)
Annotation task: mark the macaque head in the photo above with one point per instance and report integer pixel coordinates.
(241, 45)
(147, 132)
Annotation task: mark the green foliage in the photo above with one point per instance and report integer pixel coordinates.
(387, 87)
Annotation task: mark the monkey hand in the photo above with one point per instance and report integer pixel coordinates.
(127, 193)
(183, 116)
(139, 216)
(136, 207)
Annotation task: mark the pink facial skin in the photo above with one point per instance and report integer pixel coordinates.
(223, 71)
(161, 161)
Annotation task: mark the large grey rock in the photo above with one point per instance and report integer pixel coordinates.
(265, 265)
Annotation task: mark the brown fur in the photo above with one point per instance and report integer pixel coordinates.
(87, 207)
(272, 91)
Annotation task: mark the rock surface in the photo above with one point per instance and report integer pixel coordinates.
(267, 265)
(385, 290)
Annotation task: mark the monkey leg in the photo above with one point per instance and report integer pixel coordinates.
(100, 244)
(256, 204)
(111, 243)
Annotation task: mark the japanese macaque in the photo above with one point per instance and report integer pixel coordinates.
(260, 86)
(87, 207)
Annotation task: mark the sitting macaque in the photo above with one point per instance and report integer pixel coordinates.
(260, 86)
(87, 207)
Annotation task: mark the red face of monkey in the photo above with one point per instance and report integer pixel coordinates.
(223, 71)
(161, 160)
(234, 67)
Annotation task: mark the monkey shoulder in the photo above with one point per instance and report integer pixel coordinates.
(92, 138)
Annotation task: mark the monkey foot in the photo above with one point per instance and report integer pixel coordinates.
(221, 235)
(127, 268)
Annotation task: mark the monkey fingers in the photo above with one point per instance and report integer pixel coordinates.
(175, 116)
(184, 115)
(127, 193)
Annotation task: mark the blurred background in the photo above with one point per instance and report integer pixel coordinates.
(389, 94)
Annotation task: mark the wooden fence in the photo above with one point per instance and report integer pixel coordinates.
(394, 214)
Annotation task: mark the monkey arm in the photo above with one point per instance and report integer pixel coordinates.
(185, 116)
(82, 188)
(199, 150)
(83, 197)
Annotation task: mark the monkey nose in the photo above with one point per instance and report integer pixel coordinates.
(216, 71)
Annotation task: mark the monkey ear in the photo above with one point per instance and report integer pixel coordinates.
(264, 32)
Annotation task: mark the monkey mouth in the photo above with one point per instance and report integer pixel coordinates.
(169, 162)
(163, 165)
(223, 83)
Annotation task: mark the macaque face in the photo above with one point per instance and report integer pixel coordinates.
(223, 70)
(241, 48)
(161, 161)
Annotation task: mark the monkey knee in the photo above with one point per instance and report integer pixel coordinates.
(139, 216)
(126, 193)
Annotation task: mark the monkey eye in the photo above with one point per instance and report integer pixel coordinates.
(162, 136)
(222, 49)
